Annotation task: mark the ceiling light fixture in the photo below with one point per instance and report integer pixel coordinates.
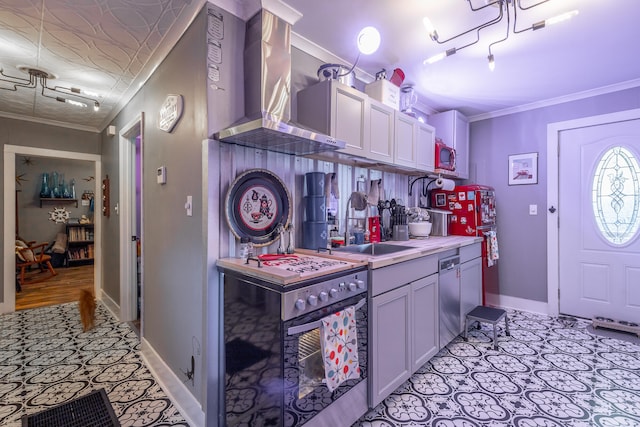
(368, 41)
(503, 10)
(39, 76)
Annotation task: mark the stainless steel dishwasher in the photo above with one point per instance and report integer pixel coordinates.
(449, 299)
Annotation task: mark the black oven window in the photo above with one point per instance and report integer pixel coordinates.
(310, 363)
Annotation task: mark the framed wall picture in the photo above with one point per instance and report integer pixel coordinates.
(523, 169)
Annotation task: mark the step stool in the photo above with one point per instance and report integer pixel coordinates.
(491, 315)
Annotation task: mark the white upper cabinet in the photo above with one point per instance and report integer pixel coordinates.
(338, 110)
(405, 150)
(453, 128)
(381, 131)
(426, 147)
(415, 143)
(372, 130)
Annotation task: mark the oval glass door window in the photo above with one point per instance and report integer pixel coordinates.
(616, 195)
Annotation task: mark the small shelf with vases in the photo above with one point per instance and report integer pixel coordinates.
(57, 200)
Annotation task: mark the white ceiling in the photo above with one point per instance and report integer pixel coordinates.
(112, 46)
(106, 46)
(595, 49)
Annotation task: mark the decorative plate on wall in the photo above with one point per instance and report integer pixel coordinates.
(257, 202)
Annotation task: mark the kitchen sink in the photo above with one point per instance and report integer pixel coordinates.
(373, 249)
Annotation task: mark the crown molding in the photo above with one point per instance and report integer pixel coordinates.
(629, 84)
(49, 122)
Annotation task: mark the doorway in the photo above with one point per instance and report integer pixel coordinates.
(130, 212)
(594, 214)
(10, 153)
(48, 190)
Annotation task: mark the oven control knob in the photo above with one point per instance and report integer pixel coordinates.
(360, 284)
(352, 287)
(333, 293)
(312, 300)
(323, 296)
(300, 304)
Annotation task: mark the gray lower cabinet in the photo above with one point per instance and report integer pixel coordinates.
(390, 346)
(470, 281)
(424, 316)
(404, 323)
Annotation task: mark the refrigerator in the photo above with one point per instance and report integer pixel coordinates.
(473, 213)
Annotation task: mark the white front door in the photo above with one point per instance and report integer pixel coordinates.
(599, 215)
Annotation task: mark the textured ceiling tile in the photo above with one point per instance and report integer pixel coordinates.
(18, 40)
(126, 23)
(17, 103)
(101, 45)
(28, 8)
(101, 56)
(171, 13)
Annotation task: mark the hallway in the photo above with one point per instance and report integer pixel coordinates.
(46, 360)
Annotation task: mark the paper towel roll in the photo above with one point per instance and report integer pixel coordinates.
(445, 184)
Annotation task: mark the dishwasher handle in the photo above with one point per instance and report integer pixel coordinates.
(447, 264)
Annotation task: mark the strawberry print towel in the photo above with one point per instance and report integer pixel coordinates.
(339, 344)
(492, 248)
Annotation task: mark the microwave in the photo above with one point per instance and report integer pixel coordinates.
(445, 156)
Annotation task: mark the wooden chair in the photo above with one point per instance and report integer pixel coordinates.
(27, 257)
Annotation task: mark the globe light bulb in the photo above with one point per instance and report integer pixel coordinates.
(368, 40)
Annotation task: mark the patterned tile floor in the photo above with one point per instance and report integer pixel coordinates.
(46, 360)
(549, 373)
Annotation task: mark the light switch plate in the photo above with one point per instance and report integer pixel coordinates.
(533, 209)
(188, 206)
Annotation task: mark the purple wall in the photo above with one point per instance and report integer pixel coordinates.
(522, 238)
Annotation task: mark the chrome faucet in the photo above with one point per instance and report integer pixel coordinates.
(359, 202)
(280, 231)
(289, 229)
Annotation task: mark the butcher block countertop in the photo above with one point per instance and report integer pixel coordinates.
(420, 248)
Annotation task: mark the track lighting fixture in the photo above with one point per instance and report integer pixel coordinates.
(505, 8)
(71, 95)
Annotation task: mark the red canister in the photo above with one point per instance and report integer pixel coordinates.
(374, 229)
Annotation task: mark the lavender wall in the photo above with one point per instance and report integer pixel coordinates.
(522, 238)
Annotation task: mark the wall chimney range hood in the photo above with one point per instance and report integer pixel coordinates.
(267, 78)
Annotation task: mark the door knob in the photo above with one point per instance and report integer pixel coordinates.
(552, 209)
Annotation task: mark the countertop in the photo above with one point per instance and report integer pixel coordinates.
(280, 276)
(420, 248)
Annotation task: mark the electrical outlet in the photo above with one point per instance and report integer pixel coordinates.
(533, 209)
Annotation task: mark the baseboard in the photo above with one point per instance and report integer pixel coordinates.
(505, 301)
(175, 389)
(111, 305)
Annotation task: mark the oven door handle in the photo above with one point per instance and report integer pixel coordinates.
(300, 329)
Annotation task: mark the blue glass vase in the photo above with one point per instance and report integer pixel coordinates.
(45, 192)
(55, 187)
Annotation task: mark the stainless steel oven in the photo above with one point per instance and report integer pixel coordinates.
(274, 370)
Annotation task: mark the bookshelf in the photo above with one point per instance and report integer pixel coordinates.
(79, 244)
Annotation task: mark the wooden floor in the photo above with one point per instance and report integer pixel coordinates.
(62, 288)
